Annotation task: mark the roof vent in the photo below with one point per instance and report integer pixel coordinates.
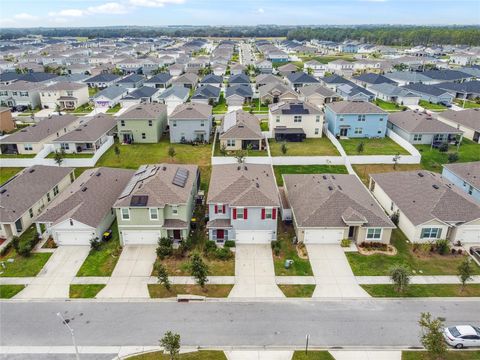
(98, 174)
(257, 185)
(239, 167)
(435, 186)
(245, 167)
(31, 171)
(339, 187)
(3, 191)
(164, 168)
(84, 189)
(324, 177)
(330, 188)
(420, 174)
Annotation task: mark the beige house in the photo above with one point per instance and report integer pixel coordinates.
(24, 196)
(317, 95)
(428, 206)
(467, 121)
(67, 95)
(273, 93)
(239, 131)
(6, 121)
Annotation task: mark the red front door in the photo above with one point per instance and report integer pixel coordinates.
(220, 234)
(176, 235)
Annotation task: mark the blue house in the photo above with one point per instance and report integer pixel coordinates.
(356, 119)
(465, 176)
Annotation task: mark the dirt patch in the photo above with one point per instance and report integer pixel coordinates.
(302, 251)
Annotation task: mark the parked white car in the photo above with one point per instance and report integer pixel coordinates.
(461, 336)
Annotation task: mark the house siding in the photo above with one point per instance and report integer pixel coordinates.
(461, 184)
(375, 125)
(137, 127)
(187, 129)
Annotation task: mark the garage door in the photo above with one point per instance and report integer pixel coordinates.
(74, 237)
(468, 235)
(323, 236)
(140, 237)
(253, 237)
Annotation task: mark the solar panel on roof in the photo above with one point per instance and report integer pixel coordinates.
(180, 178)
(139, 200)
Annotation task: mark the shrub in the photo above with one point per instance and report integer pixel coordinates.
(345, 243)
(443, 147)
(373, 245)
(453, 157)
(453, 251)
(165, 248)
(276, 247)
(395, 217)
(95, 244)
(443, 246)
(210, 248)
(400, 277)
(24, 246)
(229, 243)
(416, 247)
(223, 253)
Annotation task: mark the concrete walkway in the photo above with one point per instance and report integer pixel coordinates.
(366, 355)
(259, 355)
(54, 279)
(132, 273)
(332, 272)
(254, 272)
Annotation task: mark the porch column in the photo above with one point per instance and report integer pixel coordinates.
(39, 229)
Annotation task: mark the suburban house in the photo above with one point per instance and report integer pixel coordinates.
(89, 136)
(356, 119)
(315, 68)
(465, 90)
(243, 204)
(176, 69)
(188, 80)
(264, 66)
(407, 77)
(273, 93)
(438, 76)
(26, 194)
(428, 206)
(465, 176)
(237, 69)
(331, 207)
(353, 92)
(142, 95)
(317, 95)
(239, 79)
(431, 93)
(109, 97)
(334, 81)
(367, 80)
(21, 93)
(295, 121)
(421, 128)
(467, 121)
(219, 69)
(174, 96)
(190, 122)
(144, 123)
(159, 81)
(239, 131)
(266, 79)
(237, 95)
(341, 67)
(394, 93)
(67, 95)
(102, 81)
(211, 79)
(30, 140)
(206, 94)
(132, 81)
(298, 79)
(287, 69)
(6, 120)
(84, 211)
(158, 202)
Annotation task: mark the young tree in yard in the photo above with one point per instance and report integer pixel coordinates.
(171, 344)
(360, 147)
(199, 270)
(223, 150)
(58, 110)
(395, 159)
(240, 156)
(116, 150)
(400, 278)
(163, 276)
(432, 336)
(249, 148)
(59, 156)
(465, 271)
(284, 148)
(171, 152)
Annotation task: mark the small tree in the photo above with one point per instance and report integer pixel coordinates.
(465, 271)
(163, 276)
(59, 156)
(360, 147)
(400, 278)
(240, 156)
(58, 110)
(223, 150)
(171, 152)
(116, 150)
(432, 336)
(395, 159)
(199, 270)
(171, 344)
(249, 148)
(284, 148)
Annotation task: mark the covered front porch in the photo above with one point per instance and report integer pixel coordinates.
(177, 230)
(220, 230)
(68, 102)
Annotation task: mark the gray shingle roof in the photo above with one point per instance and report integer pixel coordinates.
(111, 92)
(191, 111)
(470, 172)
(90, 129)
(469, 118)
(240, 125)
(293, 108)
(425, 89)
(239, 89)
(371, 78)
(144, 112)
(355, 107)
(420, 123)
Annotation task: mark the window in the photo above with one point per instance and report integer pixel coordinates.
(122, 122)
(48, 196)
(341, 119)
(230, 142)
(358, 131)
(202, 123)
(150, 123)
(417, 137)
(174, 209)
(268, 213)
(431, 233)
(381, 119)
(278, 118)
(144, 136)
(65, 146)
(361, 117)
(55, 190)
(69, 93)
(239, 213)
(374, 233)
(438, 137)
(125, 213)
(71, 222)
(297, 118)
(317, 118)
(28, 147)
(30, 212)
(153, 214)
(174, 123)
(317, 131)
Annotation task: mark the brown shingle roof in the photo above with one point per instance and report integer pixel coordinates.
(90, 129)
(470, 172)
(469, 118)
(144, 111)
(191, 111)
(418, 122)
(240, 125)
(355, 107)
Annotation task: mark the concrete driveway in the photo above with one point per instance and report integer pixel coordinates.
(130, 277)
(332, 272)
(54, 279)
(254, 272)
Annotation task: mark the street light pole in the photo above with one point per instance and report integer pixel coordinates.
(307, 337)
(72, 333)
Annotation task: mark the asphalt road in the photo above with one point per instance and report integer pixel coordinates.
(284, 323)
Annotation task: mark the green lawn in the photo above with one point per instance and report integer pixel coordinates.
(434, 290)
(467, 105)
(102, 262)
(72, 156)
(264, 125)
(309, 147)
(221, 107)
(297, 291)
(430, 106)
(307, 169)
(419, 263)
(23, 266)
(82, 291)
(363, 171)
(7, 173)
(432, 159)
(300, 267)
(114, 109)
(312, 355)
(200, 355)
(255, 107)
(9, 291)
(451, 355)
(85, 108)
(92, 91)
(389, 106)
(213, 291)
(382, 146)
(17, 156)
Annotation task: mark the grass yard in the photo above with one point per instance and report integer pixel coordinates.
(451, 355)
(382, 146)
(297, 291)
(199, 355)
(72, 156)
(7, 173)
(309, 147)
(264, 125)
(221, 107)
(92, 91)
(23, 266)
(101, 262)
(114, 109)
(430, 106)
(254, 106)
(389, 106)
(85, 108)
(213, 291)
(467, 105)
(180, 266)
(312, 355)
(300, 267)
(432, 159)
(17, 156)
(85, 291)
(364, 170)
(307, 169)
(418, 262)
(433, 290)
(9, 291)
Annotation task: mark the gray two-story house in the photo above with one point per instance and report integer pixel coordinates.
(190, 122)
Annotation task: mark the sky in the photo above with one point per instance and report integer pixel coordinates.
(70, 13)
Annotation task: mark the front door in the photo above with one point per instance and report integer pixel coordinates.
(351, 232)
(177, 235)
(220, 234)
(343, 131)
(476, 136)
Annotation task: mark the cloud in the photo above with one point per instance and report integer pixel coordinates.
(108, 8)
(68, 13)
(260, 11)
(24, 16)
(155, 3)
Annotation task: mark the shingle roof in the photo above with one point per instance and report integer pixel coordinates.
(142, 92)
(37, 77)
(293, 108)
(239, 79)
(317, 89)
(446, 75)
(425, 89)
(330, 200)
(212, 79)
(161, 78)
(407, 76)
(335, 79)
(245, 185)
(392, 90)
(240, 125)
(111, 92)
(102, 78)
(191, 111)
(420, 123)
(470, 172)
(90, 129)
(65, 86)
(206, 92)
(464, 87)
(144, 112)
(179, 91)
(469, 117)
(239, 89)
(300, 77)
(22, 191)
(355, 107)
(371, 78)
(132, 78)
(423, 196)
(90, 206)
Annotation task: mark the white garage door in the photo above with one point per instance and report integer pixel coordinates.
(253, 237)
(323, 236)
(140, 237)
(468, 235)
(74, 237)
